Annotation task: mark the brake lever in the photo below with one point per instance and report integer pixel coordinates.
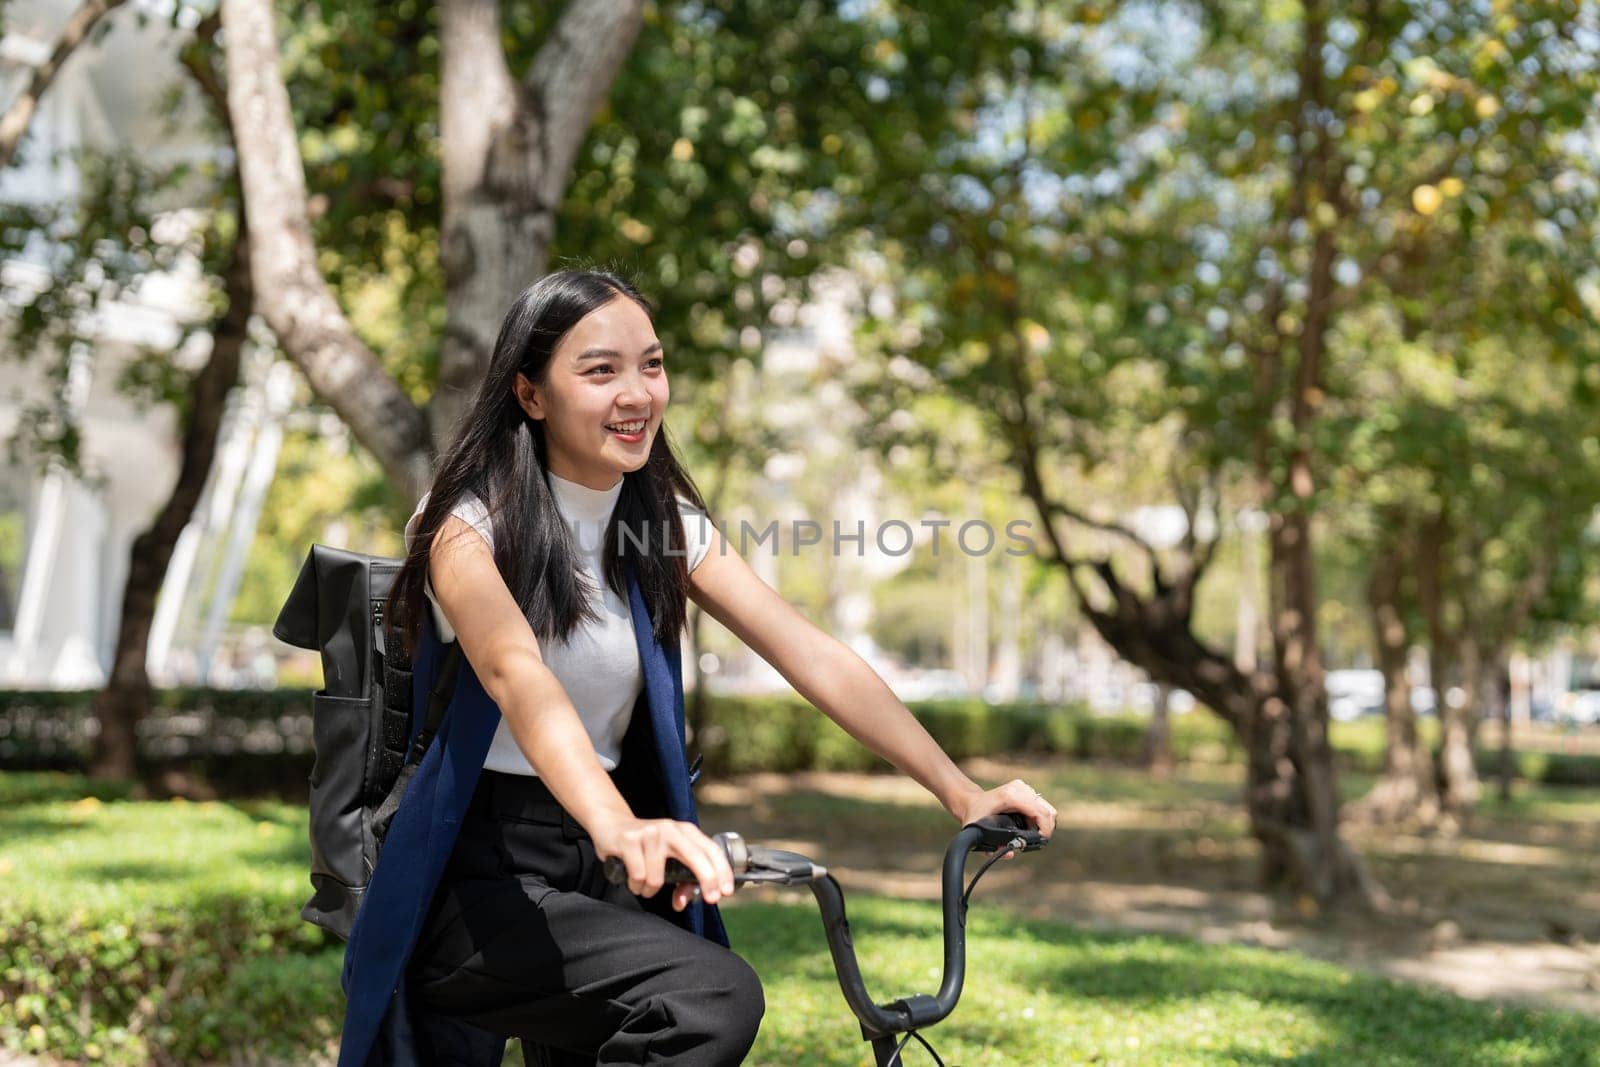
(1007, 830)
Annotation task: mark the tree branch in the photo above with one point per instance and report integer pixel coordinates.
(196, 58)
(290, 291)
(477, 95)
(570, 77)
(14, 124)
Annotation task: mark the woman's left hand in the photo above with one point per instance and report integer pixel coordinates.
(1016, 795)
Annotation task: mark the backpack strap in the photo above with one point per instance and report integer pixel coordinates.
(444, 686)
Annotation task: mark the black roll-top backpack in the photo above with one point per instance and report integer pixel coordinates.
(361, 721)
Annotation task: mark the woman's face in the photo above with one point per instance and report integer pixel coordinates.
(606, 377)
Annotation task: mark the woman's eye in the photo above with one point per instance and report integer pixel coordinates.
(655, 361)
(602, 368)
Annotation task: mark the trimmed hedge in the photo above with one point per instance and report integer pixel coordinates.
(158, 932)
(1545, 768)
(255, 742)
(784, 733)
(54, 730)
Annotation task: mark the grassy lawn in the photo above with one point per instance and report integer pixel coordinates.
(134, 930)
(1045, 993)
(131, 927)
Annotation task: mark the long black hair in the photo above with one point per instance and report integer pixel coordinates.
(499, 455)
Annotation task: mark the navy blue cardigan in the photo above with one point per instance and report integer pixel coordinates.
(420, 839)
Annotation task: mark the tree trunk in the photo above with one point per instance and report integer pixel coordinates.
(508, 151)
(1450, 655)
(1507, 767)
(1158, 739)
(1458, 773)
(1405, 792)
(1311, 838)
(1294, 793)
(125, 700)
(1286, 796)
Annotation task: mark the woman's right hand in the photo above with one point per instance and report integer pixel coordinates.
(644, 845)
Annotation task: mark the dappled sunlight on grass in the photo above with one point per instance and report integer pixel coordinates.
(1133, 853)
(148, 851)
(1042, 993)
(1174, 855)
(1535, 802)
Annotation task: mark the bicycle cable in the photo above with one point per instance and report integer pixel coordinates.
(996, 858)
(895, 1059)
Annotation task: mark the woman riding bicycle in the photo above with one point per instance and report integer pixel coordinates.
(559, 544)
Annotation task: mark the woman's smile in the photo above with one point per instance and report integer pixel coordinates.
(629, 431)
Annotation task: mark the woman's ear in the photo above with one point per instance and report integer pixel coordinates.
(528, 396)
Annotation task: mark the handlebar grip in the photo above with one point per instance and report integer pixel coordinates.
(732, 845)
(617, 872)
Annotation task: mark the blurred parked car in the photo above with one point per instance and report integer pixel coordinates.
(1144, 695)
(1353, 693)
(933, 685)
(1584, 707)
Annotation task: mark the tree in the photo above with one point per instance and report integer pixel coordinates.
(292, 294)
(1041, 309)
(370, 207)
(1090, 255)
(125, 698)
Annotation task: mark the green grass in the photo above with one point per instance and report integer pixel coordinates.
(1550, 803)
(1045, 993)
(131, 931)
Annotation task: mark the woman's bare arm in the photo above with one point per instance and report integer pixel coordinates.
(829, 674)
(504, 653)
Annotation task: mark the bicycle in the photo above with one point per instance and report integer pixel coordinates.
(888, 1027)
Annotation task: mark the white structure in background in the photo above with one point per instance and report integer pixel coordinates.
(64, 541)
(801, 396)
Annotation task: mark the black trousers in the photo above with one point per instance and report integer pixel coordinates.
(527, 939)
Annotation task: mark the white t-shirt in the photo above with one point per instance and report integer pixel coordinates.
(598, 665)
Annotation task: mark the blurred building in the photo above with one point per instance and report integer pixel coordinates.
(65, 538)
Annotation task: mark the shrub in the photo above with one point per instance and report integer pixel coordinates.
(1544, 768)
(139, 931)
(253, 743)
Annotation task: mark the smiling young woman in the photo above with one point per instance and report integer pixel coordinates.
(539, 548)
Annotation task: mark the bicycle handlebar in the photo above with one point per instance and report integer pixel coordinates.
(1006, 831)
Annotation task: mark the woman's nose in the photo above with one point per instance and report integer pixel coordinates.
(634, 391)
